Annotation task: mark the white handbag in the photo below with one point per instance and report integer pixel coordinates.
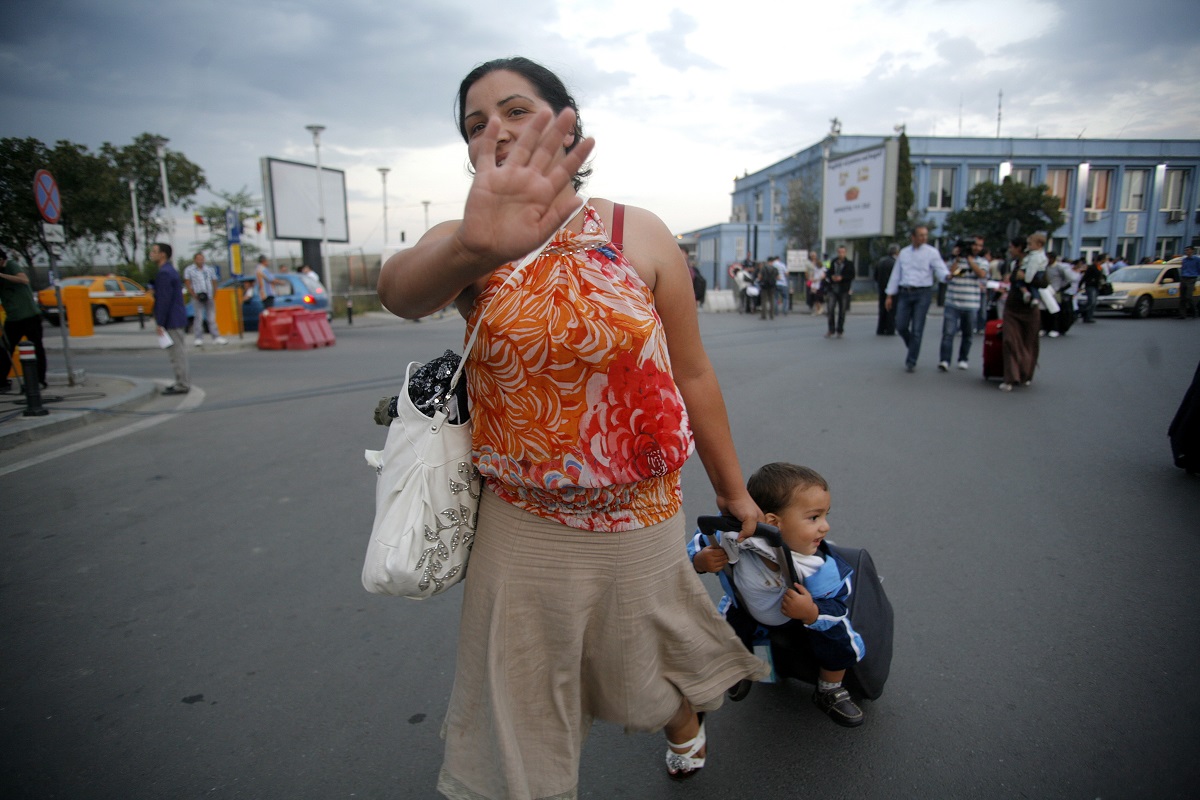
(1049, 301)
(426, 500)
(427, 492)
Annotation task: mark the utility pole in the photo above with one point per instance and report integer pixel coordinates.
(160, 150)
(383, 173)
(315, 130)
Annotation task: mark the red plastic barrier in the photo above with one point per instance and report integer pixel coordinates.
(274, 328)
(321, 323)
(310, 329)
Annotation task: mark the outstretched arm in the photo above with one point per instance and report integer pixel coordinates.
(511, 209)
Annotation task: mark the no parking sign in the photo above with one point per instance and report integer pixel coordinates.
(45, 194)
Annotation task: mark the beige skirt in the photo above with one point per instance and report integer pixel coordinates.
(562, 626)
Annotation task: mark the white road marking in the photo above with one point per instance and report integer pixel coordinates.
(194, 398)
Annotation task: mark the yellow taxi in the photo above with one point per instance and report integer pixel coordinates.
(1142, 289)
(112, 297)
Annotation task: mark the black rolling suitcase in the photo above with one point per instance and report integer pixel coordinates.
(869, 609)
(1185, 429)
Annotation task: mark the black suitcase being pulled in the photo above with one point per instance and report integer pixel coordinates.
(1185, 429)
(869, 609)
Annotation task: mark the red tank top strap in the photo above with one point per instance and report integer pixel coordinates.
(618, 226)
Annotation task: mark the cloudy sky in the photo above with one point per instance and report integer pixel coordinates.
(681, 98)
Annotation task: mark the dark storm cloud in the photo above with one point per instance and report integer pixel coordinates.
(230, 81)
(1083, 75)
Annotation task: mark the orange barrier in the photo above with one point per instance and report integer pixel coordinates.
(78, 309)
(227, 311)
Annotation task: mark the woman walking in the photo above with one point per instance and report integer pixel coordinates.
(580, 603)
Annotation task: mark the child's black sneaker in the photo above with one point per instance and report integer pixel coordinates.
(840, 707)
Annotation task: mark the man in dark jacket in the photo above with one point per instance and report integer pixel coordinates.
(883, 271)
(170, 314)
(839, 281)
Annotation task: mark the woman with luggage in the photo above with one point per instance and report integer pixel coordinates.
(579, 603)
(1022, 317)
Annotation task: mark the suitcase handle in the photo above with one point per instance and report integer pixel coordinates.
(711, 525)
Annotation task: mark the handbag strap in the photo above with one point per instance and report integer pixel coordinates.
(520, 267)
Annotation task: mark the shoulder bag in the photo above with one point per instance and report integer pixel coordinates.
(427, 490)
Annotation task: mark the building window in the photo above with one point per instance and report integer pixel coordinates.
(1090, 248)
(1128, 248)
(1097, 194)
(739, 214)
(978, 175)
(1058, 184)
(1024, 175)
(1133, 190)
(1058, 244)
(1173, 190)
(1167, 248)
(941, 188)
(758, 208)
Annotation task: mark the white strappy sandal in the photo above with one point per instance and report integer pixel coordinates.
(686, 764)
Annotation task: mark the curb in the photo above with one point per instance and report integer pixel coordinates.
(129, 393)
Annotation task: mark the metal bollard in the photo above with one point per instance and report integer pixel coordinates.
(141, 318)
(33, 392)
(349, 310)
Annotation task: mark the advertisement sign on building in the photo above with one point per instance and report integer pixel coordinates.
(860, 193)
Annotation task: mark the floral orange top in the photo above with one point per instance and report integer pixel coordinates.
(575, 414)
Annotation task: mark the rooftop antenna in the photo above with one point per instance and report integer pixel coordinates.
(999, 110)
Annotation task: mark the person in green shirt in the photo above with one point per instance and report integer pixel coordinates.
(22, 320)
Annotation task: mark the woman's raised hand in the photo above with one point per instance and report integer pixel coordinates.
(522, 192)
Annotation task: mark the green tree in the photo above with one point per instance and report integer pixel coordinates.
(95, 196)
(801, 221)
(138, 161)
(94, 203)
(991, 208)
(20, 222)
(905, 196)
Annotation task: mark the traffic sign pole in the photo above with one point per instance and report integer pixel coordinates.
(49, 204)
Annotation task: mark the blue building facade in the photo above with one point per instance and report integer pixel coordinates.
(1129, 198)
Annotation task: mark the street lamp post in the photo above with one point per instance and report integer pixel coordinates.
(426, 204)
(160, 151)
(137, 223)
(383, 171)
(315, 130)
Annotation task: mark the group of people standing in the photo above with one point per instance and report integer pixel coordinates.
(762, 287)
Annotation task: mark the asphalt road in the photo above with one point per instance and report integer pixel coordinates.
(182, 614)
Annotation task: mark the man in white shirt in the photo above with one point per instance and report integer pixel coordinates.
(201, 280)
(910, 290)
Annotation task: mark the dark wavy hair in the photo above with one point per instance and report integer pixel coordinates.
(774, 485)
(548, 87)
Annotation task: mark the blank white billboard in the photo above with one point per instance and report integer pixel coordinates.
(291, 205)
